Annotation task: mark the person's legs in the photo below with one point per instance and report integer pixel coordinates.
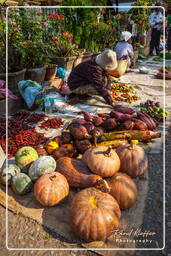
(152, 42)
(157, 41)
(169, 40)
(86, 90)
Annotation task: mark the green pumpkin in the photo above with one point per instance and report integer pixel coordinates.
(43, 165)
(11, 171)
(21, 184)
(25, 156)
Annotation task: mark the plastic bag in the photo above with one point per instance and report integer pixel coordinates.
(29, 91)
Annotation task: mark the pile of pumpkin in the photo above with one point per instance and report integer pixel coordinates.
(103, 174)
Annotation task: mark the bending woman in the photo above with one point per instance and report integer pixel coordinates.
(92, 77)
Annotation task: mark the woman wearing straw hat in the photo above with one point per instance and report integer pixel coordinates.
(92, 77)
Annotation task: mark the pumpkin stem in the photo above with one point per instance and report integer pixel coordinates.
(96, 137)
(132, 143)
(108, 151)
(102, 185)
(52, 177)
(95, 141)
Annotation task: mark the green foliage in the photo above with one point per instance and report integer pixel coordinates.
(33, 54)
(14, 37)
(141, 15)
(82, 23)
(62, 46)
(84, 3)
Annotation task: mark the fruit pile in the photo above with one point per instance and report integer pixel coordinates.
(105, 129)
(123, 92)
(154, 110)
(105, 189)
(164, 73)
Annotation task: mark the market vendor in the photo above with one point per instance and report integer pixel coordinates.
(124, 49)
(92, 77)
(156, 23)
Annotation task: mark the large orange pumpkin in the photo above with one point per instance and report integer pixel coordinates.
(123, 189)
(133, 159)
(51, 188)
(102, 160)
(94, 215)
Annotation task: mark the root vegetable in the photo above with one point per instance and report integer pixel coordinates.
(79, 132)
(110, 124)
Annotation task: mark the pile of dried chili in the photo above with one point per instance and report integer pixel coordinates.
(51, 123)
(21, 132)
(24, 138)
(30, 118)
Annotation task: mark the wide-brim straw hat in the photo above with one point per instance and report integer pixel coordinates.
(107, 60)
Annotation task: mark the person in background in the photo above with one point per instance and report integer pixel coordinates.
(156, 24)
(169, 30)
(92, 77)
(124, 49)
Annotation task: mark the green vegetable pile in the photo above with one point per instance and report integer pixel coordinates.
(154, 110)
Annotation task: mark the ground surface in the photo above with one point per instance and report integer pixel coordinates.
(34, 235)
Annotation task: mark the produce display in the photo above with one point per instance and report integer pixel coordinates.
(124, 92)
(51, 188)
(10, 171)
(25, 156)
(154, 110)
(164, 73)
(65, 150)
(76, 172)
(102, 161)
(97, 154)
(143, 136)
(43, 165)
(21, 184)
(21, 131)
(123, 189)
(51, 146)
(133, 159)
(51, 123)
(94, 215)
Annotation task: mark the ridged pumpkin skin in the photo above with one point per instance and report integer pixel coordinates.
(133, 159)
(101, 161)
(94, 215)
(123, 189)
(50, 189)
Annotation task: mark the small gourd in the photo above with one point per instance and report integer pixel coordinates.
(78, 175)
(123, 189)
(25, 156)
(21, 184)
(133, 159)
(51, 188)
(51, 146)
(102, 160)
(10, 171)
(43, 165)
